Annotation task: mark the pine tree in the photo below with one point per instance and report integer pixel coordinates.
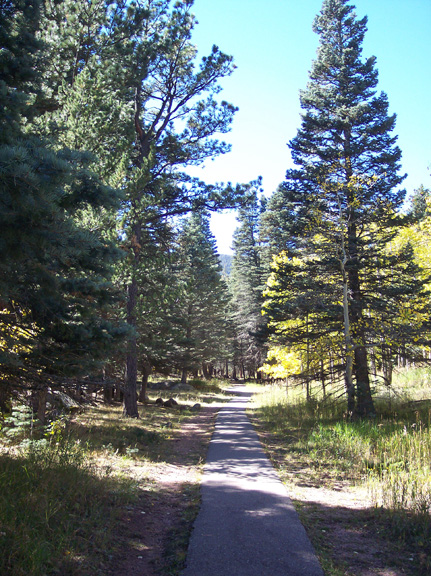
(246, 282)
(176, 119)
(419, 202)
(132, 67)
(54, 281)
(347, 176)
(203, 307)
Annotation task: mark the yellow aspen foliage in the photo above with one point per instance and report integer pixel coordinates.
(281, 362)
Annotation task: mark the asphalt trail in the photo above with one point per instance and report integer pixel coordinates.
(247, 525)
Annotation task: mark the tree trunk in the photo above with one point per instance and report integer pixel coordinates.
(146, 371)
(130, 400)
(387, 366)
(184, 376)
(41, 404)
(364, 404)
(107, 394)
(373, 362)
(364, 400)
(5, 396)
(348, 343)
(107, 389)
(348, 374)
(206, 371)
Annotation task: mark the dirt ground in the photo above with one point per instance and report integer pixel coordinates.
(153, 533)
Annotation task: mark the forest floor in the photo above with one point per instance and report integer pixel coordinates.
(349, 536)
(154, 530)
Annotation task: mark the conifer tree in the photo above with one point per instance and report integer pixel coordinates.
(176, 119)
(246, 281)
(54, 280)
(346, 177)
(419, 203)
(132, 68)
(203, 307)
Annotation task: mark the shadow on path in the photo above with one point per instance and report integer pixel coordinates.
(247, 525)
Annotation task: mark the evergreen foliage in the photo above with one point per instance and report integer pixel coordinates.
(132, 68)
(226, 262)
(103, 106)
(176, 119)
(54, 271)
(419, 203)
(341, 203)
(203, 306)
(247, 280)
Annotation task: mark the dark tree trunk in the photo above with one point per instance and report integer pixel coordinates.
(146, 371)
(130, 403)
(38, 401)
(108, 395)
(5, 403)
(108, 392)
(41, 404)
(206, 371)
(364, 400)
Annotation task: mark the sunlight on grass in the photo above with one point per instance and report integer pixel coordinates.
(58, 512)
(390, 455)
(64, 487)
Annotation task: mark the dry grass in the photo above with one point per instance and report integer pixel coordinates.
(377, 470)
(65, 490)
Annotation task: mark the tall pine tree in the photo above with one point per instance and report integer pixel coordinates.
(247, 279)
(54, 271)
(345, 185)
(203, 306)
(132, 67)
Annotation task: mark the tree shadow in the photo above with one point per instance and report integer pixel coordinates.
(57, 514)
(362, 541)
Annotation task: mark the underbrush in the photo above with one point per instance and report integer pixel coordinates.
(57, 510)
(65, 487)
(390, 454)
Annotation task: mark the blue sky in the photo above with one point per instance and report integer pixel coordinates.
(273, 46)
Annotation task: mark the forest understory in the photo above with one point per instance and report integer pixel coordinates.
(139, 490)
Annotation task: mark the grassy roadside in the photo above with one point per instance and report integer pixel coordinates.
(323, 457)
(65, 489)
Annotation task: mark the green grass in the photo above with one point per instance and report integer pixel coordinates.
(390, 454)
(58, 512)
(64, 488)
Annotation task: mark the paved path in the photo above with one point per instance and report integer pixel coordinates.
(247, 525)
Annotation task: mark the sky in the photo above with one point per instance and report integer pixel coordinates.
(273, 46)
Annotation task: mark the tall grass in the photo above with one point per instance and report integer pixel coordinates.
(64, 488)
(57, 512)
(390, 454)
